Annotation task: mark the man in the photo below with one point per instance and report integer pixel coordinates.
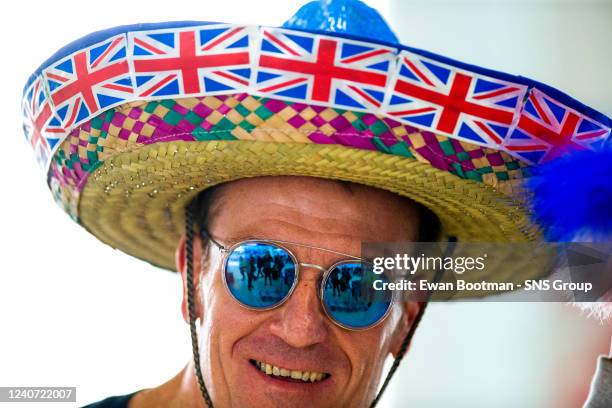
(229, 140)
(297, 336)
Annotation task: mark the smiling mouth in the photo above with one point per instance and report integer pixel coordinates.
(289, 375)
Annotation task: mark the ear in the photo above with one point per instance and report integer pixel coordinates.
(409, 313)
(181, 267)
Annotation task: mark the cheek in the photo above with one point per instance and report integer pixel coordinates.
(369, 349)
(214, 297)
(225, 320)
(224, 323)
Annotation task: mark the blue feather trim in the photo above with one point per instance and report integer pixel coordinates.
(573, 196)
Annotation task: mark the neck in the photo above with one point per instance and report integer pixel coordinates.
(180, 391)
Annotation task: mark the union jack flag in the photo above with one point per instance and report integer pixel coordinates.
(323, 69)
(42, 129)
(210, 59)
(445, 99)
(547, 129)
(89, 80)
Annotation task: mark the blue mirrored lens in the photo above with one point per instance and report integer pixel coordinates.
(259, 275)
(349, 296)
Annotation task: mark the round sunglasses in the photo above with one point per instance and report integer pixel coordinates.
(261, 274)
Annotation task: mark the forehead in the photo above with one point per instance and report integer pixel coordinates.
(311, 210)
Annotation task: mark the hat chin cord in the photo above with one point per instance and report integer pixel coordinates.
(189, 233)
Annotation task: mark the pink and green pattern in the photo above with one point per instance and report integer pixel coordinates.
(245, 117)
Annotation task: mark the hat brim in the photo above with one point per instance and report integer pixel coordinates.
(135, 201)
(127, 174)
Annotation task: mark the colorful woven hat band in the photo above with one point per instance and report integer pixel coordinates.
(521, 117)
(244, 117)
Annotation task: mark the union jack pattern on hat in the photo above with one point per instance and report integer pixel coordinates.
(548, 129)
(89, 81)
(423, 90)
(212, 59)
(322, 69)
(437, 96)
(41, 127)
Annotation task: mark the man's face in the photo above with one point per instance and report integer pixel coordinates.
(297, 335)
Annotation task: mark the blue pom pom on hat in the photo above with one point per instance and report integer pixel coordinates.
(572, 196)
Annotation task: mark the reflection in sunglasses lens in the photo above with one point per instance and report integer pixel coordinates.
(259, 275)
(350, 298)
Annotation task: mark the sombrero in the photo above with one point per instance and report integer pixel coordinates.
(131, 123)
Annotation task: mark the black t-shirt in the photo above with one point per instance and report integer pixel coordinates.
(112, 402)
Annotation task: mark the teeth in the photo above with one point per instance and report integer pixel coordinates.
(269, 369)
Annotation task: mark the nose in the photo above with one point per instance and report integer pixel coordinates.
(300, 321)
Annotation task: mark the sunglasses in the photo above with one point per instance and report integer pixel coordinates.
(261, 274)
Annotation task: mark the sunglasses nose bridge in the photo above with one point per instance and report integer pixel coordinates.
(319, 268)
(315, 266)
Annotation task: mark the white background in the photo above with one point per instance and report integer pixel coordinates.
(74, 312)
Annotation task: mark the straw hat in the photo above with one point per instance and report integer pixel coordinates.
(131, 123)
